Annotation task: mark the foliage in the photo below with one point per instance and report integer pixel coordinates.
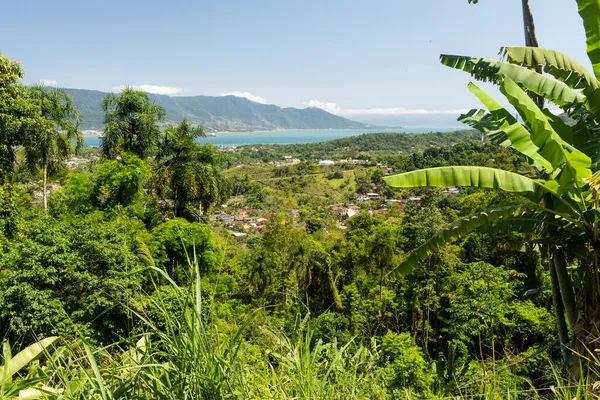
(19, 116)
(62, 276)
(189, 173)
(407, 365)
(177, 241)
(120, 181)
(131, 123)
(559, 203)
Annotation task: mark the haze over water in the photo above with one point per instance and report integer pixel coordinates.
(288, 136)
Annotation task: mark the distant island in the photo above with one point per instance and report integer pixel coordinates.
(220, 113)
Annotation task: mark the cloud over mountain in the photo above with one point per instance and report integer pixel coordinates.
(48, 82)
(246, 95)
(168, 90)
(334, 108)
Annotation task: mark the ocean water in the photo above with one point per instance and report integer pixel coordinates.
(288, 136)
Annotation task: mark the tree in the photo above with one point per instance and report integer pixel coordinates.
(118, 182)
(188, 172)
(177, 241)
(565, 157)
(66, 274)
(19, 117)
(51, 146)
(131, 123)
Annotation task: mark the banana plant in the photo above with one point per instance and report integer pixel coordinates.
(560, 202)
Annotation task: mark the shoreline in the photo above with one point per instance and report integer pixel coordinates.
(98, 133)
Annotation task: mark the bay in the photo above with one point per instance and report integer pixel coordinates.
(289, 136)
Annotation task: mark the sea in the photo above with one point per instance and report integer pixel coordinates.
(289, 136)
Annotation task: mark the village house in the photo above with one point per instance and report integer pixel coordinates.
(326, 162)
(368, 196)
(451, 190)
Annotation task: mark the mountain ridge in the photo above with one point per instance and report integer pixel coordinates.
(219, 113)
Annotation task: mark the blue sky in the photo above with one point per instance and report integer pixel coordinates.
(360, 55)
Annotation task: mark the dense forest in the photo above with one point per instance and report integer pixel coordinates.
(383, 266)
(362, 147)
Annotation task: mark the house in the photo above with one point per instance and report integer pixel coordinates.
(261, 221)
(451, 190)
(237, 235)
(352, 212)
(224, 218)
(326, 162)
(368, 196)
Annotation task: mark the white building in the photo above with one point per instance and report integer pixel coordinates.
(326, 162)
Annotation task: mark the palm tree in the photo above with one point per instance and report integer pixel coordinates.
(50, 146)
(130, 123)
(188, 172)
(566, 158)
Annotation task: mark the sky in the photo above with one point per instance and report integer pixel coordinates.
(350, 57)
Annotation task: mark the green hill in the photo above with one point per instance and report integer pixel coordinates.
(226, 113)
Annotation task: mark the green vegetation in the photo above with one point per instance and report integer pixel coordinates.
(166, 269)
(560, 199)
(369, 146)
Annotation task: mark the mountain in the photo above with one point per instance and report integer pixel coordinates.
(226, 113)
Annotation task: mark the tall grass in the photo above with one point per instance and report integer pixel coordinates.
(179, 353)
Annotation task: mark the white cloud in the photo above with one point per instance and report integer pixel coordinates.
(325, 105)
(168, 90)
(334, 108)
(246, 95)
(48, 82)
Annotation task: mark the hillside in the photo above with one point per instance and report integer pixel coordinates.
(226, 113)
(351, 147)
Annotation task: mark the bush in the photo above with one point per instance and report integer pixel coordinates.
(407, 368)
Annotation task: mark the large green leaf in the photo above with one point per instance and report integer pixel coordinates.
(14, 364)
(574, 164)
(589, 10)
(481, 177)
(465, 226)
(495, 71)
(563, 68)
(555, 63)
(514, 133)
(480, 120)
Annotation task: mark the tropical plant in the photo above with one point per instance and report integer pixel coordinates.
(131, 123)
(119, 182)
(560, 203)
(10, 366)
(51, 146)
(189, 173)
(19, 117)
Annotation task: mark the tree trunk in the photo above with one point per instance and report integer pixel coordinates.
(559, 311)
(566, 289)
(44, 194)
(562, 291)
(529, 26)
